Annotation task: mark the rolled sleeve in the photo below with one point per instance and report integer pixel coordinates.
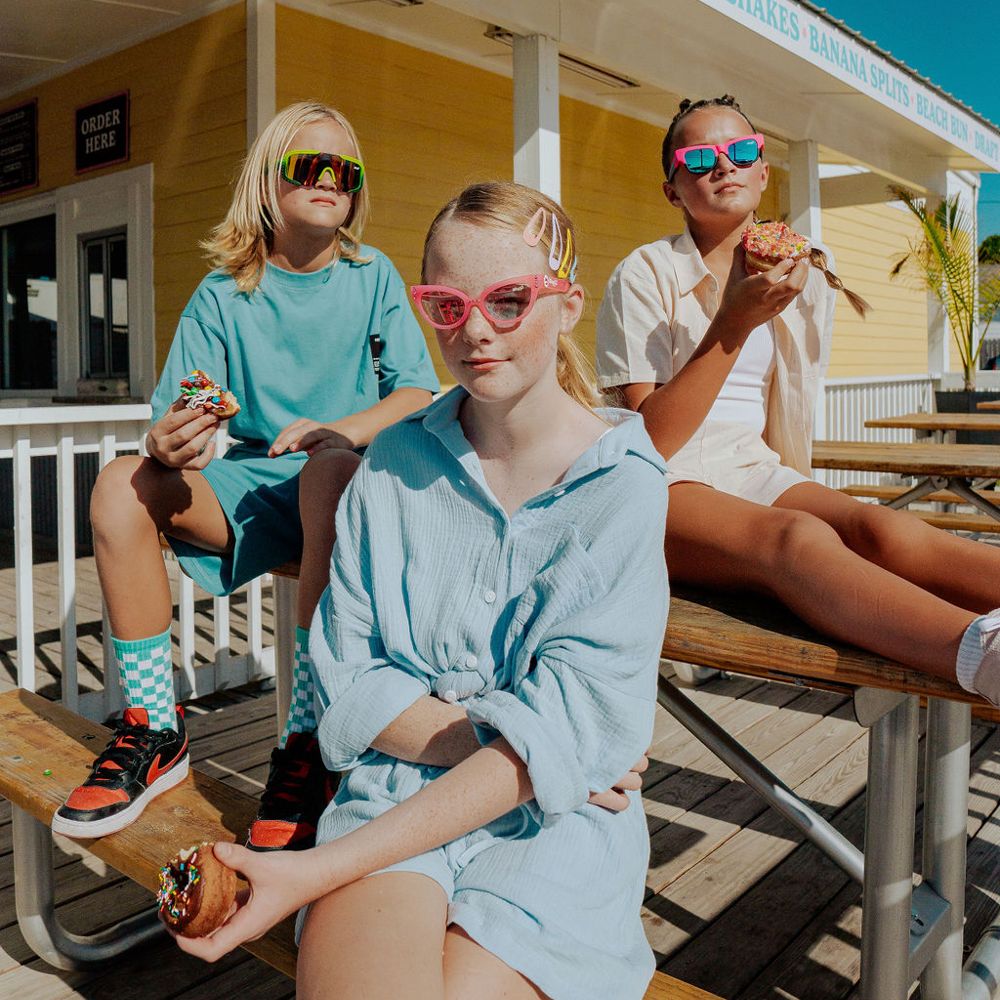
(363, 689)
(582, 714)
(634, 343)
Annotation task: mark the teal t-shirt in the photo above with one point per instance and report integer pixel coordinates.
(299, 346)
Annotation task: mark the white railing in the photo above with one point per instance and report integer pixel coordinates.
(64, 432)
(848, 402)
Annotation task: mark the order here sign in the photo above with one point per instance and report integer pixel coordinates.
(102, 133)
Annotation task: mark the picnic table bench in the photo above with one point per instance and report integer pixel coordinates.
(38, 736)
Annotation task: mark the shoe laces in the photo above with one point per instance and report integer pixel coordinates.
(129, 740)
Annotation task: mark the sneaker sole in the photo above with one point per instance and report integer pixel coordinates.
(82, 830)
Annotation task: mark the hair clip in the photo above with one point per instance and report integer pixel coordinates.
(567, 262)
(534, 229)
(556, 245)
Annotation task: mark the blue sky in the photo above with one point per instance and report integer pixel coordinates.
(956, 51)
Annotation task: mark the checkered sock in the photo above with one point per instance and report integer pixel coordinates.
(301, 712)
(147, 674)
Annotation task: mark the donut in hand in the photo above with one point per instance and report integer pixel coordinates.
(768, 243)
(196, 892)
(197, 389)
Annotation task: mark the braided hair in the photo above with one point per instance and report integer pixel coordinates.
(686, 107)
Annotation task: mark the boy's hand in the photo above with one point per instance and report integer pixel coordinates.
(183, 438)
(309, 436)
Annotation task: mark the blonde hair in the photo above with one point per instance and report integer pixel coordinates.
(241, 243)
(511, 206)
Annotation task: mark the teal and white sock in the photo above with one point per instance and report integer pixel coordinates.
(301, 712)
(147, 675)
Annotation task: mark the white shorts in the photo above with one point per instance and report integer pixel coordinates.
(734, 459)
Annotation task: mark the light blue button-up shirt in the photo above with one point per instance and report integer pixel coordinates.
(545, 625)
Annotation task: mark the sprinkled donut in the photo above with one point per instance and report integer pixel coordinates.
(200, 390)
(768, 243)
(196, 892)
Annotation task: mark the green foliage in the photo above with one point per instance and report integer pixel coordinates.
(943, 260)
(989, 250)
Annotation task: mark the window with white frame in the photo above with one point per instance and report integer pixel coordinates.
(104, 301)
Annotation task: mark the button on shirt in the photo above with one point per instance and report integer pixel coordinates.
(563, 603)
(657, 308)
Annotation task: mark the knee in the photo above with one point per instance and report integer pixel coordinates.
(793, 537)
(115, 504)
(872, 530)
(324, 479)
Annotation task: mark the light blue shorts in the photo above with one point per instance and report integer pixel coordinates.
(559, 903)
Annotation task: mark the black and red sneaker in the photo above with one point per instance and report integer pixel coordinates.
(137, 765)
(297, 791)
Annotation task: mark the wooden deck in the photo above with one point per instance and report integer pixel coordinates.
(736, 903)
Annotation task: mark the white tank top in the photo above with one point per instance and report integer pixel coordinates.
(743, 396)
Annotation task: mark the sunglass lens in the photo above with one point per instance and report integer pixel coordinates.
(298, 167)
(509, 303)
(442, 309)
(744, 152)
(701, 160)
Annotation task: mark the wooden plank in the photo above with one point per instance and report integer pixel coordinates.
(918, 459)
(940, 422)
(759, 637)
(989, 404)
(892, 492)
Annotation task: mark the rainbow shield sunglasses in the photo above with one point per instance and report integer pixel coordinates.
(700, 159)
(504, 304)
(304, 168)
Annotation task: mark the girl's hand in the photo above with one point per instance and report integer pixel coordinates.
(615, 799)
(750, 300)
(183, 438)
(309, 436)
(280, 883)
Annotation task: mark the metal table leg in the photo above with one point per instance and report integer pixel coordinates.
(35, 903)
(946, 810)
(888, 883)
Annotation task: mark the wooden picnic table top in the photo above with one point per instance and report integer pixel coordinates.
(941, 421)
(963, 461)
(988, 404)
(752, 635)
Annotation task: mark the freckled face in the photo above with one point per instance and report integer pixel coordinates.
(497, 365)
(726, 190)
(321, 208)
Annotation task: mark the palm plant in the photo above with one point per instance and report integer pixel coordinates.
(943, 260)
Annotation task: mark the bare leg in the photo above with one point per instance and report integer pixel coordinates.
(717, 540)
(321, 485)
(134, 500)
(904, 545)
(473, 973)
(380, 938)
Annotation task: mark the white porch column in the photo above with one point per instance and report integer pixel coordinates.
(260, 66)
(803, 189)
(536, 113)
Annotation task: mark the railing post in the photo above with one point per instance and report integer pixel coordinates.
(113, 695)
(65, 499)
(23, 573)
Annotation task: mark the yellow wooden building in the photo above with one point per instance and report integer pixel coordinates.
(572, 96)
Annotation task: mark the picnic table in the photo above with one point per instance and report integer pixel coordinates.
(989, 404)
(952, 467)
(908, 932)
(941, 427)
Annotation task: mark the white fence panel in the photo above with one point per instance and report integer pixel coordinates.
(107, 431)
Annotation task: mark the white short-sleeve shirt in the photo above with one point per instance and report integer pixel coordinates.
(657, 308)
